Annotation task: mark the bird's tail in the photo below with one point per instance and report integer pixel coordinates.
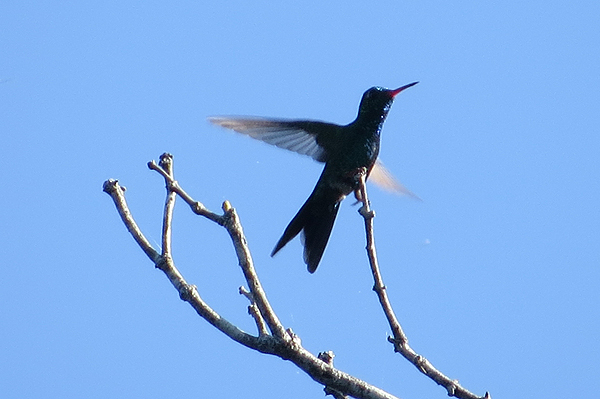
(315, 219)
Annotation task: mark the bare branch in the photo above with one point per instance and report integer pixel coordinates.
(280, 341)
(197, 207)
(186, 291)
(399, 339)
(231, 222)
(116, 192)
(166, 163)
(255, 312)
(234, 228)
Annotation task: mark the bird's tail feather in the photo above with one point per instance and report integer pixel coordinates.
(315, 219)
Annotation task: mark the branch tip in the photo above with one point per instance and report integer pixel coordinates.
(166, 162)
(243, 291)
(111, 185)
(166, 157)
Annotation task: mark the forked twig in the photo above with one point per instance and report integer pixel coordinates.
(399, 339)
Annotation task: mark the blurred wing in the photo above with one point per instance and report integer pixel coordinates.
(384, 179)
(310, 138)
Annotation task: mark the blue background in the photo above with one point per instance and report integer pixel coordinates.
(494, 276)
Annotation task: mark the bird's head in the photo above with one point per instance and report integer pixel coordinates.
(376, 101)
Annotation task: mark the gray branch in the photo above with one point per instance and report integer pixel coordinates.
(399, 339)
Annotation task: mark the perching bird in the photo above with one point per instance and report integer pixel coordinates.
(344, 149)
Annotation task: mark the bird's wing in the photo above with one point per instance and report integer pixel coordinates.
(384, 179)
(310, 138)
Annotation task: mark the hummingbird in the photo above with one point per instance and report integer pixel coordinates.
(345, 150)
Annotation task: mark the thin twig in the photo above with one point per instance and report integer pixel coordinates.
(234, 228)
(197, 207)
(255, 312)
(166, 163)
(399, 339)
(117, 193)
(379, 286)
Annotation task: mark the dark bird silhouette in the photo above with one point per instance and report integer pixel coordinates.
(345, 150)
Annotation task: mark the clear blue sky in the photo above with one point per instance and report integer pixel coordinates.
(495, 275)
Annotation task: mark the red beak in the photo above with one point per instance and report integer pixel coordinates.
(399, 89)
